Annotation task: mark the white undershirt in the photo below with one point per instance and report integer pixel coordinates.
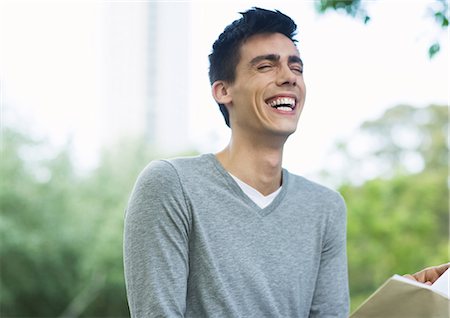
(261, 200)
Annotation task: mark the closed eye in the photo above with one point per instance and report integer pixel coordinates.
(297, 69)
(264, 67)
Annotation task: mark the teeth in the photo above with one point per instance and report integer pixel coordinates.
(282, 101)
(285, 108)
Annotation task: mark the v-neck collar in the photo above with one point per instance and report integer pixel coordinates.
(260, 199)
(231, 183)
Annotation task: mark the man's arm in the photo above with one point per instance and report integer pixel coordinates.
(331, 296)
(156, 244)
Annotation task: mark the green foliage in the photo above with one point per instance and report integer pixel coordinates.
(400, 223)
(395, 226)
(405, 129)
(350, 7)
(441, 13)
(35, 275)
(356, 8)
(434, 49)
(403, 140)
(61, 232)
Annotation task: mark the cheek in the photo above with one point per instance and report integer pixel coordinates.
(250, 94)
(301, 83)
(244, 94)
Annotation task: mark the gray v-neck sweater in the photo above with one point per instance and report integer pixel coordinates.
(196, 246)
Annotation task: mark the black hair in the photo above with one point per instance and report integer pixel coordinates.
(225, 51)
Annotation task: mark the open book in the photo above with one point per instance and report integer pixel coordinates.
(400, 297)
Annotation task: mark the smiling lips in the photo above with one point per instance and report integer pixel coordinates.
(286, 104)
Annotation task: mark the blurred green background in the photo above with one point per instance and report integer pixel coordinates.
(61, 230)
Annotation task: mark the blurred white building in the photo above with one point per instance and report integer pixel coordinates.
(144, 72)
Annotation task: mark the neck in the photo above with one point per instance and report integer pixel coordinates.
(258, 165)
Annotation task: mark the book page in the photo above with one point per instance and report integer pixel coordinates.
(442, 284)
(401, 297)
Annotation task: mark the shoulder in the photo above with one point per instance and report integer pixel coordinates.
(316, 192)
(163, 171)
(156, 172)
(160, 183)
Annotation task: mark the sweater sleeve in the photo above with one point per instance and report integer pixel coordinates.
(331, 296)
(156, 244)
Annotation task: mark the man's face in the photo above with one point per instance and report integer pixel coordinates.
(268, 93)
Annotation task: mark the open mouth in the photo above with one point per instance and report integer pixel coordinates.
(286, 104)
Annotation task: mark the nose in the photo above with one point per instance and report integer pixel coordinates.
(286, 76)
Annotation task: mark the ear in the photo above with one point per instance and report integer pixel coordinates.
(221, 92)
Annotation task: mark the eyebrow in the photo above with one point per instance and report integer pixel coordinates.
(275, 58)
(295, 59)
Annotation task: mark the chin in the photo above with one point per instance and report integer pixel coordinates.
(283, 132)
(288, 129)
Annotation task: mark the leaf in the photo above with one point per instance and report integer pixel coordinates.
(435, 48)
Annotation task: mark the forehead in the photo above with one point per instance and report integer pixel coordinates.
(267, 43)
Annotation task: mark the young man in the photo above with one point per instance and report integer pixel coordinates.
(233, 234)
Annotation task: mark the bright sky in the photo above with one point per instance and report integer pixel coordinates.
(353, 72)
